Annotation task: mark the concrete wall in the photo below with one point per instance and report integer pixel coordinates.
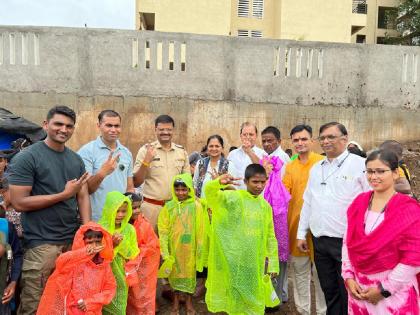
(374, 90)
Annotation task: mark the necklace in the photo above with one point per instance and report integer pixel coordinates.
(324, 180)
(370, 209)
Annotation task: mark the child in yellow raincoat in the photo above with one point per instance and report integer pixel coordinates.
(116, 214)
(182, 225)
(242, 242)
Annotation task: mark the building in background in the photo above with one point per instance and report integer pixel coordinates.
(345, 21)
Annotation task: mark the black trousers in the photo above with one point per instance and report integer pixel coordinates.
(328, 265)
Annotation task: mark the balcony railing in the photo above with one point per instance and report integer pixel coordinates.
(359, 6)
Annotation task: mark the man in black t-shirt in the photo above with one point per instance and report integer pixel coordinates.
(48, 185)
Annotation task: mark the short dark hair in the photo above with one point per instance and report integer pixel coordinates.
(108, 113)
(387, 157)
(61, 110)
(246, 124)
(232, 148)
(179, 182)
(357, 151)
(164, 119)
(274, 130)
(254, 169)
(394, 146)
(299, 128)
(133, 196)
(218, 138)
(340, 127)
(92, 234)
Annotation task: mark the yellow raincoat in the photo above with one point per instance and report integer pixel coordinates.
(126, 250)
(241, 239)
(183, 237)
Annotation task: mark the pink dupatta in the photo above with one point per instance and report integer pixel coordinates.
(395, 240)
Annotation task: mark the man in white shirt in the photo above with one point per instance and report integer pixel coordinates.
(247, 153)
(333, 184)
(271, 142)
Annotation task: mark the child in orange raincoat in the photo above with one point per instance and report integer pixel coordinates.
(141, 297)
(83, 280)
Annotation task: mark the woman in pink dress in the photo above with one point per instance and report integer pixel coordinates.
(381, 249)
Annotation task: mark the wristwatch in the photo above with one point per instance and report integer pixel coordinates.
(384, 292)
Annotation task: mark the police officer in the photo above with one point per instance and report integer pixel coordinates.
(156, 165)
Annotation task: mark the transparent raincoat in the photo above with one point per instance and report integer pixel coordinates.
(242, 242)
(126, 250)
(183, 227)
(77, 277)
(142, 297)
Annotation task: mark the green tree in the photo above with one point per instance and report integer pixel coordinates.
(407, 20)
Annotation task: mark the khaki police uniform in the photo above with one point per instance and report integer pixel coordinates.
(161, 171)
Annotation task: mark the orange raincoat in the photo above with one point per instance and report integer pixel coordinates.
(77, 277)
(141, 297)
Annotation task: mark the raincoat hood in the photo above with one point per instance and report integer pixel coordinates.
(187, 179)
(79, 243)
(113, 202)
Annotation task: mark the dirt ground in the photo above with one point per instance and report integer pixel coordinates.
(286, 308)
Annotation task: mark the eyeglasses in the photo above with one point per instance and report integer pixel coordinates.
(377, 172)
(329, 138)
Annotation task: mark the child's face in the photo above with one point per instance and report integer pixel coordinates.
(96, 241)
(136, 209)
(256, 184)
(181, 193)
(121, 213)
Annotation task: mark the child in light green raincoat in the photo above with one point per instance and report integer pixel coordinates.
(243, 246)
(182, 225)
(116, 214)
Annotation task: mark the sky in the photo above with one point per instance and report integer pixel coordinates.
(74, 13)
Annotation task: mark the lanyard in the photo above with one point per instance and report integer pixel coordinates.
(324, 180)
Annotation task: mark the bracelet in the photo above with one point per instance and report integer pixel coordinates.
(145, 163)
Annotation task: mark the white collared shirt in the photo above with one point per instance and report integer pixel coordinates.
(240, 162)
(331, 188)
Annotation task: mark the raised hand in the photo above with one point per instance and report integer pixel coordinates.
(110, 164)
(116, 239)
(92, 249)
(73, 186)
(150, 153)
(227, 179)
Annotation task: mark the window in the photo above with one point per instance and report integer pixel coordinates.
(256, 34)
(257, 8)
(243, 8)
(243, 33)
(147, 21)
(360, 39)
(386, 17)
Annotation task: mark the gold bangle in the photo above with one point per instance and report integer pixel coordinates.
(145, 163)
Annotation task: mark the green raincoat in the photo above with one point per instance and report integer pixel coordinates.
(241, 239)
(183, 227)
(126, 250)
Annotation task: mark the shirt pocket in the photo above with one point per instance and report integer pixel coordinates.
(179, 165)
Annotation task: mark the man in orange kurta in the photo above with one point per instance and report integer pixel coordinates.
(83, 280)
(301, 263)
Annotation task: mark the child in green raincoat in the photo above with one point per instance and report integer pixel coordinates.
(116, 214)
(243, 246)
(182, 225)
